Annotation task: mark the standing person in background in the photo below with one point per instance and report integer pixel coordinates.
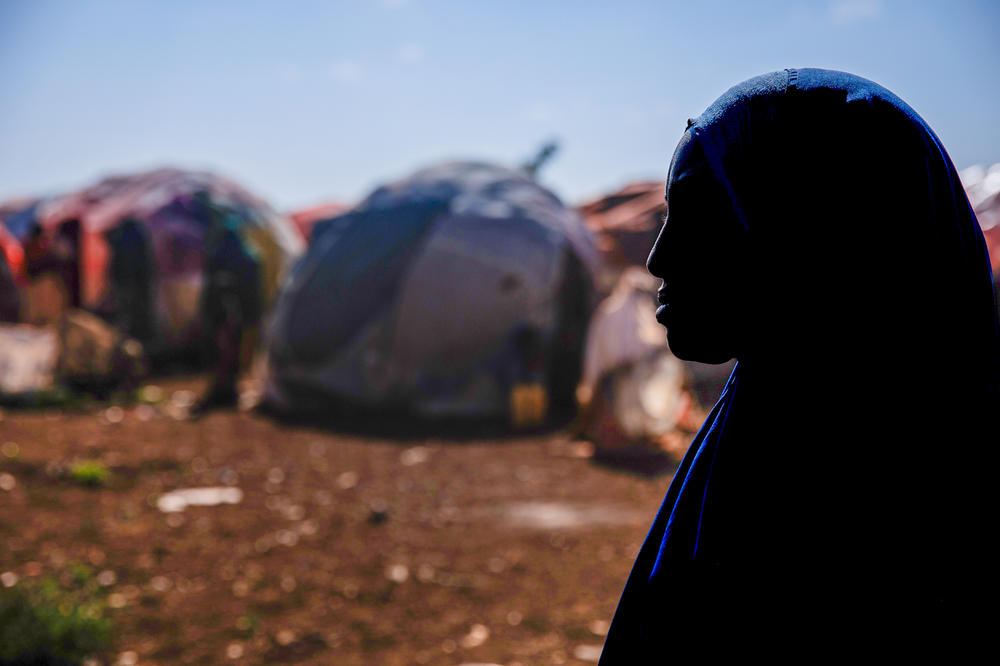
(841, 494)
(52, 265)
(131, 272)
(10, 295)
(231, 304)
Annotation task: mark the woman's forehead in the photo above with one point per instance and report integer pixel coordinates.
(688, 159)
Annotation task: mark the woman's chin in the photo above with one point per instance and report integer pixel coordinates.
(698, 348)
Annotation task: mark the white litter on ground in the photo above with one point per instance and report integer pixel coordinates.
(588, 652)
(562, 515)
(178, 500)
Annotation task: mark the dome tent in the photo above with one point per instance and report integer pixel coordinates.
(155, 218)
(434, 297)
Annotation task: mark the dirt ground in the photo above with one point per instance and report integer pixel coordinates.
(344, 549)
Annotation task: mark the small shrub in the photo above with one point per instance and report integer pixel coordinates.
(150, 395)
(91, 473)
(43, 623)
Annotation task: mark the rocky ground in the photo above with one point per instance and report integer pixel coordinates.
(341, 547)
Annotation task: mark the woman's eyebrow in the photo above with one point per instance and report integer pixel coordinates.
(689, 171)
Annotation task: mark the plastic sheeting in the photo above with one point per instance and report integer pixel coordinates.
(174, 225)
(632, 389)
(436, 295)
(28, 357)
(982, 185)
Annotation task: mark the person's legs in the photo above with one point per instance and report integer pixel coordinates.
(227, 338)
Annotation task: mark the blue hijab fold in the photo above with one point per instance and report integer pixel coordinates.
(845, 475)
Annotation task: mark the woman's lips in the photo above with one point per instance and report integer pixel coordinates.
(667, 297)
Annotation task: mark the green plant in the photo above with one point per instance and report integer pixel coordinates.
(44, 623)
(90, 473)
(150, 395)
(248, 624)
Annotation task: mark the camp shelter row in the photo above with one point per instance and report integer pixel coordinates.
(131, 249)
(464, 289)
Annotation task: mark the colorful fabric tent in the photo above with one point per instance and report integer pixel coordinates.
(17, 216)
(171, 227)
(437, 295)
(982, 185)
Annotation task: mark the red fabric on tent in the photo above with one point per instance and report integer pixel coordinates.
(305, 218)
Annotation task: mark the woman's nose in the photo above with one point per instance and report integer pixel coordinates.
(654, 263)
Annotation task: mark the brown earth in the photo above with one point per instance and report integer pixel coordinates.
(345, 549)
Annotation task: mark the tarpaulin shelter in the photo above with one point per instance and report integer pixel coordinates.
(435, 296)
(632, 389)
(982, 185)
(17, 216)
(156, 214)
(626, 223)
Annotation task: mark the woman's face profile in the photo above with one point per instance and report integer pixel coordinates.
(698, 255)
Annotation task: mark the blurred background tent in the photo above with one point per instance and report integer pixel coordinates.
(982, 185)
(11, 268)
(438, 295)
(625, 224)
(632, 391)
(147, 227)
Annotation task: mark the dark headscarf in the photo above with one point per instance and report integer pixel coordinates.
(844, 475)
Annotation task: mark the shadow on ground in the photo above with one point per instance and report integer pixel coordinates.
(406, 428)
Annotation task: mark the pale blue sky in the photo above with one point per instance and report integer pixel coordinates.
(307, 101)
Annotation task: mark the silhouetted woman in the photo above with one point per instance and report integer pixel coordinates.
(841, 489)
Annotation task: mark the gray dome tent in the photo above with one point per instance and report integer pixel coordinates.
(434, 297)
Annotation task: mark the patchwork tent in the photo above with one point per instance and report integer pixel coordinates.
(437, 296)
(632, 390)
(982, 185)
(16, 218)
(154, 223)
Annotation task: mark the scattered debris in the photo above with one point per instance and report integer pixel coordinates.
(483, 531)
(477, 635)
(588, 652)
(556, 515)
(178, 500)
(28, 356)
(378, 512)
(397, 573)
(347, 480)
(572, 449)
(599, 627)
(415, 455)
